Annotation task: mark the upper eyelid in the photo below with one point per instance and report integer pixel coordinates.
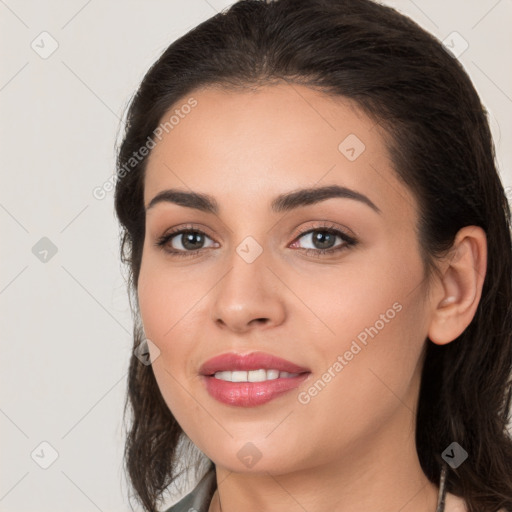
(327, 226)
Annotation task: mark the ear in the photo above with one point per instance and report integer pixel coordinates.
(456, 295)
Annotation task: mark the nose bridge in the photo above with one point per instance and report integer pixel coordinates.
(246, 291)
(247, 276)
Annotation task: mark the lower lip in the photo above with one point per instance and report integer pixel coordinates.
(250, 394)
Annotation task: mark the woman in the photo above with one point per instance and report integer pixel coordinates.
(320, 258)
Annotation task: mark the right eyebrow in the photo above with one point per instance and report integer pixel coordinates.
(202, 202)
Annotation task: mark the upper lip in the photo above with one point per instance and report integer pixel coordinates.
(232, 361)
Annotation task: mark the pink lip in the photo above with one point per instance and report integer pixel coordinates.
(253, 361)
(250, 394)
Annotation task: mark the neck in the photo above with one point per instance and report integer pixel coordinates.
(381, 473)
(405, 496)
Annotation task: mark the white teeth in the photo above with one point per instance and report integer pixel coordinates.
(253, 375)
(238, 376)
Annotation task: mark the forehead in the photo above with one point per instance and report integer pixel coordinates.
(244, 145)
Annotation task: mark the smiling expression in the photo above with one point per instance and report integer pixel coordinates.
(298, 238)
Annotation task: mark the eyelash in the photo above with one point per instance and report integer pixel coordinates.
(348, 240)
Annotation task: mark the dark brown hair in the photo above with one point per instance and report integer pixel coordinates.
(438, 135)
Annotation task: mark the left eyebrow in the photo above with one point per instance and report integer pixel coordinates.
(307, 196)
(282, 203)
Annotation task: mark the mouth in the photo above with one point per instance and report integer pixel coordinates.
(251, 379)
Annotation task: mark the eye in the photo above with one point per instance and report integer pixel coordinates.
(184, 242)
(323, 240)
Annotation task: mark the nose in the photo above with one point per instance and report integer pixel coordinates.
(248, 295)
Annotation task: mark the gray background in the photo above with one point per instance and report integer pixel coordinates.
(66, 324)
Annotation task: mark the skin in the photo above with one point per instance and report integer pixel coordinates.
(352, 447)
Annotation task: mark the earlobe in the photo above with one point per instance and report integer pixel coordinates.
(459, 289)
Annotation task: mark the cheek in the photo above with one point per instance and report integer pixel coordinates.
(369, 290)
(377, 317)
(153, 304)
(371, 366)
(166, 299)
(171, 311)
(163, 307)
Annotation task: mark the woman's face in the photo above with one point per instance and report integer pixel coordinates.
(355, 316)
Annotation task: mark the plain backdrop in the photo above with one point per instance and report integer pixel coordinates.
(68, 70)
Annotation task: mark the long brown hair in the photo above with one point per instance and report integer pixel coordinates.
(439, 138)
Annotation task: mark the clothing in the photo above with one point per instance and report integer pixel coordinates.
(200, 498)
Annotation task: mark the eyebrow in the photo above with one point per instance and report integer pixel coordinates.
(282, 203)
